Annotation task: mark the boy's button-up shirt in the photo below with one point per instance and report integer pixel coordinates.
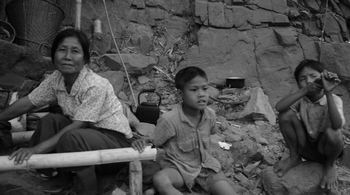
(187, 146)
(91, 99)
(315, 114)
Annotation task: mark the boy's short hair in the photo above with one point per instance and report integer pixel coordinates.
(313, 64)
(187, 74)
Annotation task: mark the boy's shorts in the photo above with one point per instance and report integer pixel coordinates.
(206, 178)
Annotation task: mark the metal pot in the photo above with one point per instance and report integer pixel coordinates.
(235, 82)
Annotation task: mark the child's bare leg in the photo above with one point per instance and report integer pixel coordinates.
(331, 145)
(167, 181)
(222, 187)
(294, 136)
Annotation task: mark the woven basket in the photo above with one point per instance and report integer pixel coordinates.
(36, 23)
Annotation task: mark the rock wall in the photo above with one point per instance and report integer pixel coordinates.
(261, 40)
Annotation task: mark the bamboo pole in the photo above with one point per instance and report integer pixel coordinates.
(135, 177)
(78, 14)
(21, 136)
(73, 159)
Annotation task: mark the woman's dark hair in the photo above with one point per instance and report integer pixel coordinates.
(70, 32)
(187, 74)
(316, 65)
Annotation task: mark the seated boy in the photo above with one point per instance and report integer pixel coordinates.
(184, 135)
(310, 121)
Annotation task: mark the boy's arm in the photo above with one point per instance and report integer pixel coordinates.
(333, 112)
(284, 104)
(335, 108)
(163, 132)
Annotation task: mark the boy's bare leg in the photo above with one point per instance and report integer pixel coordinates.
(222, 187)
(294, 136)
(331, 145)
(167, 181)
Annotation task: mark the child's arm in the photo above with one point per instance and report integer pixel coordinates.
(284, 104)
(163, 132)
(330, 81)
(333, 112)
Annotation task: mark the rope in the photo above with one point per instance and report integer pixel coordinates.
(121, 59)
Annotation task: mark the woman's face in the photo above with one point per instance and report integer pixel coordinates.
(69, 56)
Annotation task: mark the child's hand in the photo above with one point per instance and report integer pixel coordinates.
(311, 88)
(139, 144)
(330, 80)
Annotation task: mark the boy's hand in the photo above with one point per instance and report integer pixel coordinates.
(330, 80)
(311, 88)
(22, 154)
(140, 144)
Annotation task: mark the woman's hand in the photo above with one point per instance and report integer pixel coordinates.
(330, 80)
(22, 154)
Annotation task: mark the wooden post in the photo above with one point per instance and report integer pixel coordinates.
(135, 177)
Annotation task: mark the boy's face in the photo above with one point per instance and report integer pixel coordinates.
(195, 93)
(307, 76)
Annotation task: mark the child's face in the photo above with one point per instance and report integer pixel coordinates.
(307, 75)
(195, 93)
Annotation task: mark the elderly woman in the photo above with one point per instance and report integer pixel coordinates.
(92, 115)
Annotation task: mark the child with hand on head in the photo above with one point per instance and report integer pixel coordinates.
(310, 121)
(184, 135)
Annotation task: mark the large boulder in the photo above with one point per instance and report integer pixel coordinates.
(216, 13)
(301, 180)
(276, 6)
(136, 64)
(275, 64)
(116, 78)
(140, 35)
(309, 47)
(223, 53)
(178, 7)
(336, 58)
(258, 107)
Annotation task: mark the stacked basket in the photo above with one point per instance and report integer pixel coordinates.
(36, 22)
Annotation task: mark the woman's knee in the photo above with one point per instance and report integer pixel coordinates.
(54, 120)
(69, 141)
